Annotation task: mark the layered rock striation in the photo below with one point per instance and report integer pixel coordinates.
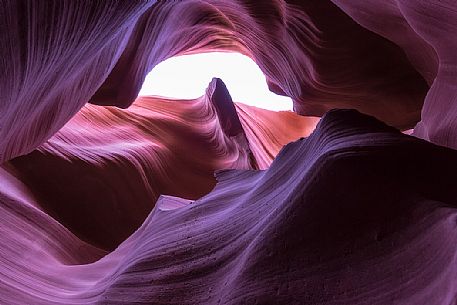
(110, 198)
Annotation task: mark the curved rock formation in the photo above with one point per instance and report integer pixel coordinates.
(55, 55)
(426, 31)
(103, 205)
(354, 215)
(297, 45)
(320, 65)
(101, 174)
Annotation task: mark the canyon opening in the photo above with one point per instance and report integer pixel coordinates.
(187, 76)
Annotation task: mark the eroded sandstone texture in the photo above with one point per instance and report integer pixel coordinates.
(110, 198)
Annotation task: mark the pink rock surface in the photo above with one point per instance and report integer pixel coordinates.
(111, 165)
(103, 205)
(345, 216)
(55, 56)
(310, 51)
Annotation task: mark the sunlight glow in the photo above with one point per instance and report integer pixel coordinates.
(187, 77)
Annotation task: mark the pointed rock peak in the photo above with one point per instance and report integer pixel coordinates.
(218, 90)
(220, 98)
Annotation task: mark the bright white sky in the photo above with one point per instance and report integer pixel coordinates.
(188, 76)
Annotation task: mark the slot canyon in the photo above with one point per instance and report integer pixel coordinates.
(109, 196)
